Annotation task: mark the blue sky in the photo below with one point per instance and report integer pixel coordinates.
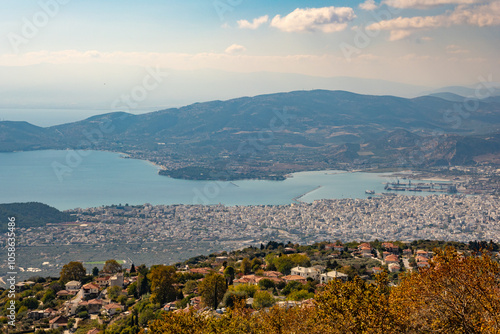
(427, 43)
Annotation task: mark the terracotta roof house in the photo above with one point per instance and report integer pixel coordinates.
(112, 308)
(391, 259)
(89, 289)
(57, 322)
(203, 271)
(297, 278)
(272, 274)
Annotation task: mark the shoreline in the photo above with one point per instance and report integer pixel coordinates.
(297, 198)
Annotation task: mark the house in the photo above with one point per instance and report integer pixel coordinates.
(112, 308)
(247, 279)
(407, 252)
(57, 322)
(376, 270)
(90, 289)
(37, 315)
(307, 272)
(203, 271)
(390, 247)
(391, 259)
(394, 268)
(294, 278)
(94, 331)
(272, 274)
(103, 282)
(63, 293)
(73, 286)
(94, 306)
(423, 253)
(21, 286)
(332, 275)
(365, 249)
(116, 280)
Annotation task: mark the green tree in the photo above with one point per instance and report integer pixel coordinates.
(73, 271)
(162, 279)
(95, 271)
(300, 295)
(112, 267)
(245, 266)
(212, 290)
(262, 299)
(266, 283)
(229, 272)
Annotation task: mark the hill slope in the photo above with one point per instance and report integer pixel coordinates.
(275, 133)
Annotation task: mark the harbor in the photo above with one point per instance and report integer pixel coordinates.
(440, 187)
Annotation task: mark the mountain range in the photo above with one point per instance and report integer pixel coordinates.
(270, 135)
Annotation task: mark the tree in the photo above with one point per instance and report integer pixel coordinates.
(455, 294)
(245, 266)
(73, 271)
(95, 271)
(266, 283)
(162, 279)
(212, 290)
(356, 307)
(112, 267)
(262, 299)
(132, 269)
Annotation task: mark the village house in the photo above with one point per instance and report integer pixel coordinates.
(90, 289)
(112, 308)
(294, 278)
(116, 280)
(310, 272)
(73, 286)
(57, 322)
(332, 275)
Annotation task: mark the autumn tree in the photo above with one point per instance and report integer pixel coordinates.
(212, 289)
(112, 267)
(162, 279)
(73, 271)
(455, 294)
(356, 307)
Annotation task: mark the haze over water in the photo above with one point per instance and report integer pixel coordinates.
(104, 178)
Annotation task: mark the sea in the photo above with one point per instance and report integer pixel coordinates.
(82, 179)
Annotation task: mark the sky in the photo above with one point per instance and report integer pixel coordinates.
(77, 54)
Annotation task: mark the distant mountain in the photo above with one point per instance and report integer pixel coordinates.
(489, 89)
(275, 133)
(31, 215)
(449, 96)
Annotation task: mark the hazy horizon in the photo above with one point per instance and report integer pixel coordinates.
(66, 54)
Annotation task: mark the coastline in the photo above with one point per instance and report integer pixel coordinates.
(297, 198)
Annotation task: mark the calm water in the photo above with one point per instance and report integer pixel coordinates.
(65, 180)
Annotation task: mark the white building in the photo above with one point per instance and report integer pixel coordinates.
(332, 275)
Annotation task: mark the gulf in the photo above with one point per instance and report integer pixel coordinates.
(67, 180)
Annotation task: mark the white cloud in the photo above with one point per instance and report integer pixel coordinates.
(427, 3)
(244, 24)
(480, 16)
(326, 19)
(235, 48)
(396, 35)
(368, 5)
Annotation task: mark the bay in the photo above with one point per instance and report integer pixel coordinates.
(71, 179)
